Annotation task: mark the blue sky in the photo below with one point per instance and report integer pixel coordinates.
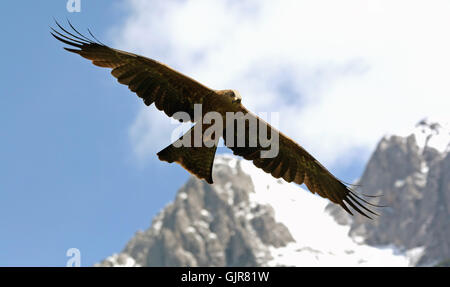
(78, 150)
(67, 177)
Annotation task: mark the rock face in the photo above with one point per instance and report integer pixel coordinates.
(248, 218)
(208, 225)
(414, 180)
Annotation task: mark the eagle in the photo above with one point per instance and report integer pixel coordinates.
(172, 92)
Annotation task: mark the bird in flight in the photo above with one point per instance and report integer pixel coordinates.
(174, 92)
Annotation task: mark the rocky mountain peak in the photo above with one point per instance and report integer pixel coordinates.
(432, 134)
(209, 225)
(248, 218)
(412, 174)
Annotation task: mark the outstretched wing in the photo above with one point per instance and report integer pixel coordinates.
(294, 164)
(154, 82)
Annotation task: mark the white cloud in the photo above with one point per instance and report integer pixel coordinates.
(342, 73)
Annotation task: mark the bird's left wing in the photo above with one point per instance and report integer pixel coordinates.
(294, 164)
(154, 82)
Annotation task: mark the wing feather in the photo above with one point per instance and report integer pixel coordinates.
(294, 164)
(154, 82)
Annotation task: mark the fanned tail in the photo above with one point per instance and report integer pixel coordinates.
(197, 160)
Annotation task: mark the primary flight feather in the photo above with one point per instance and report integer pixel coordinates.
(173, 92)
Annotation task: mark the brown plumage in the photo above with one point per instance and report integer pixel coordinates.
(172, 91)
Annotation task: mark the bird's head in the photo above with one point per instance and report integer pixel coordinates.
(233, 96)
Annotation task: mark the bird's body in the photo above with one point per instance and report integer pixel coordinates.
(173, 92)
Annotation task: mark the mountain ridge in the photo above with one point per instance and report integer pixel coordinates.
(412, 173)
(248, 218)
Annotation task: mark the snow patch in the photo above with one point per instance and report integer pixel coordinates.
(424, 167)
(230, 193)
(204, 212)
(228, 160)
(399, 183)
(121, 260)
(202, 224)
(190, 229)
(157, 225)
(420, 179)
(319, 240)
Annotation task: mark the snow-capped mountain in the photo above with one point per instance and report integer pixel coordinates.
(413, 175)
(248, 218)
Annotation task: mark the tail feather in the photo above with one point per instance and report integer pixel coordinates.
(197, 160)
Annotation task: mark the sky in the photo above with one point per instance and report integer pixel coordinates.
(78, 150)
